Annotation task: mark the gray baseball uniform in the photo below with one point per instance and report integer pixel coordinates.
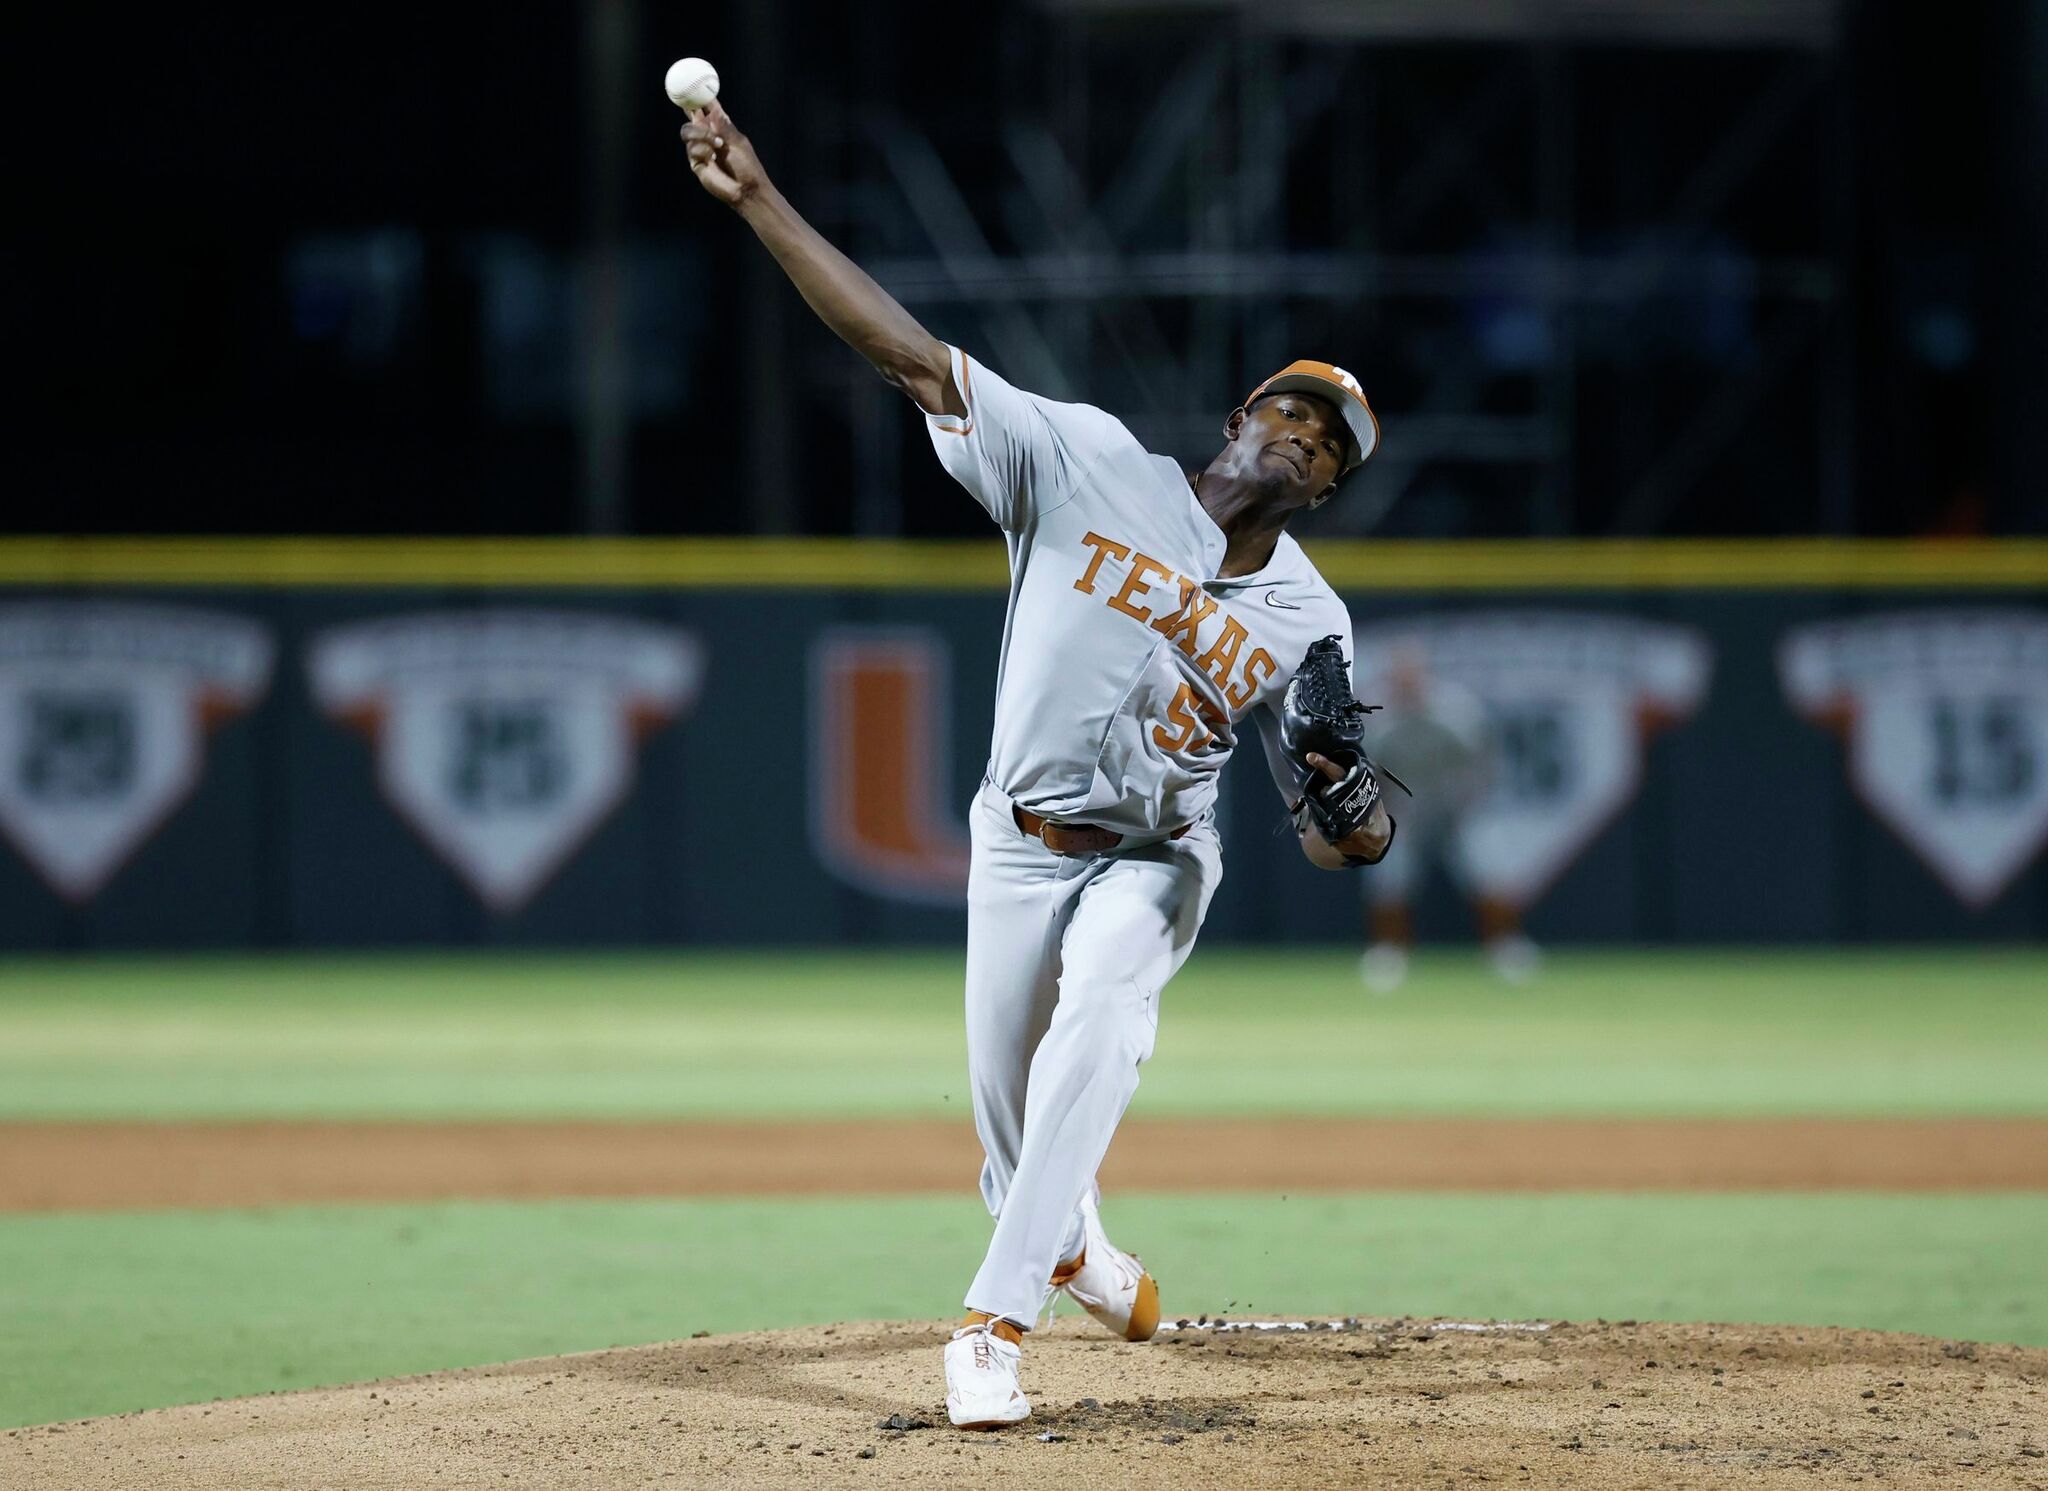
(1127, 672)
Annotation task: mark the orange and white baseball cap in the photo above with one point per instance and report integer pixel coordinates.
(1340, 388)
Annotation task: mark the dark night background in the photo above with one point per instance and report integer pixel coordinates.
(332, 271)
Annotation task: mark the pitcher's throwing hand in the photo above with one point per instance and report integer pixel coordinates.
(720, 156)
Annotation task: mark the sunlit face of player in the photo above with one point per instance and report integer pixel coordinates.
(1287, 446)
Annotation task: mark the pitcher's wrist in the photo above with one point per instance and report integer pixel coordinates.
(759, 201)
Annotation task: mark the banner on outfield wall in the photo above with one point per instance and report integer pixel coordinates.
(1572, 701)
(504, 737)
(1943, 717)
(105, 708)
(332, 767)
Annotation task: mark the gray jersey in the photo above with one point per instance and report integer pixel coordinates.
(1128, 668)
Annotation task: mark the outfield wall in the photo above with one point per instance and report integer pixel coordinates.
(352, 743)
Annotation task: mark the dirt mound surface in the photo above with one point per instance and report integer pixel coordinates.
(1375, 1402)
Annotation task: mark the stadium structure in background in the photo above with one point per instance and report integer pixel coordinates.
(1640, 267)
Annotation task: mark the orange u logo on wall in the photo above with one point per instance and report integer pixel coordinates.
(881, 769)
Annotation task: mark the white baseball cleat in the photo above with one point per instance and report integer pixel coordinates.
(981, 1379)
(1109, 1283)
(1515, 958)
(1384, 967)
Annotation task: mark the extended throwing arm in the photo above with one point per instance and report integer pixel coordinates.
(863, 315)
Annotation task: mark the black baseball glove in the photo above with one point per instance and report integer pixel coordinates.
(1318, 714)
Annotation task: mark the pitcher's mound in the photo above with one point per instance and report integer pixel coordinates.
(1375, 1402)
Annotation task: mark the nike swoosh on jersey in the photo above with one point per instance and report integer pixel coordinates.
(1280, 605)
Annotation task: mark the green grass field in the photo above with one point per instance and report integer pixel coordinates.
(114, 1311)
(1925, 1031)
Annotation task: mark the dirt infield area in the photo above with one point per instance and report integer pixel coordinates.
(1373, 1403)
(59, 1166)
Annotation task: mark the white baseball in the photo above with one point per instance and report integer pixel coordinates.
(692, 83)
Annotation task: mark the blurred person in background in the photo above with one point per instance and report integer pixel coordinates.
(1437, 737)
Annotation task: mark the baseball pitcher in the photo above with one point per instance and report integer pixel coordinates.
(1152, 614)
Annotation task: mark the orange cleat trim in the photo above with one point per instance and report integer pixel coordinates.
(1002, 1328)
(1064, 1273)
(1145, 1313)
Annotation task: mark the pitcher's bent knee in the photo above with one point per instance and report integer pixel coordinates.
(1114, 1016)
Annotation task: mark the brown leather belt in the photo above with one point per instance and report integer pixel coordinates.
(1073, 838)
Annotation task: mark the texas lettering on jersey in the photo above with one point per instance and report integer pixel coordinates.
(1182, 626)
